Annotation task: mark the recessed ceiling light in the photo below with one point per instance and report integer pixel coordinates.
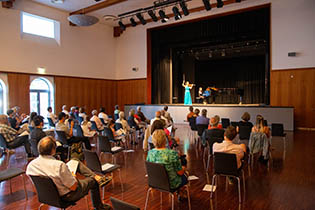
(57, 1)
(41, 70)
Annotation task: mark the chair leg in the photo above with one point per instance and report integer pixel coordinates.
(10, 186)
(161, 198)
(213, 177)
(208, 163)
(121, 183)
(172, 201)
(239, 189)
(147, 198)
(25, 191)
(243, 177)
(188, 196)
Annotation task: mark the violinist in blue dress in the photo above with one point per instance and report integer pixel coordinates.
(187, 86)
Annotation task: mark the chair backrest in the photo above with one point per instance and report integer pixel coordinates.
(109, 134)
(121, 205)
(47, 191)
(93, 127)
(225, 122)
(34, 149)
(277, 129)
(104, 144)
(157, 176)
(3, 142)
(192, 123)
(201, 128)
(131, 121)
(225, 164)
(102, 120)
(118, 126)
(116, 116)
(214, 135)
(234, 124)
(92, 161)
(61, 136)
(31, 128)
(79, 130)
(80, 119)
(50, 122)
(244, 132)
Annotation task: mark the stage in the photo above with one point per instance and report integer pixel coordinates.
(273, 114)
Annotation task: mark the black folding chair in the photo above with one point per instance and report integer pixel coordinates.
(79, 131)
(118, 126)
(225, 164)
(105, 147)
(121, 205)
(3, 142)
(80, 119)
(48, 193)
(278, 131)
(50, 122)
(225, 122)
(11, 173)
(244, 132)
(62, 138)
(234, 124)
(158, 180)
(93, 163)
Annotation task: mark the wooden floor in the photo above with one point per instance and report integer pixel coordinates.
(289, 184)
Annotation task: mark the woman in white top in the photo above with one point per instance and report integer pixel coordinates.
(82, 113)
(103, 116)
(123, 122)
(86, 127)
(97, 120)
(51, 115)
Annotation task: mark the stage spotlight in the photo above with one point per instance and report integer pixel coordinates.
(163, 16)
(176, 12)
(220, 3)
(184, 8)
(133, 22)
(152, 15)
(142, 20)
(238, 1)
(121, 25)
(207, 4)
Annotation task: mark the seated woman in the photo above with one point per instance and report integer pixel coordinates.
(169, 158)
(245, 121)
(123, 122)
(214, 123)
(119, 135)
(86, 127)
(260, 127)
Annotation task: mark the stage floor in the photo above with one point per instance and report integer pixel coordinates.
(273, 114)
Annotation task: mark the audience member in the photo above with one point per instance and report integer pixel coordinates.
(260, 127)
(37, 133)
(202, 120)
(103, 115)
(69, 187)
(167, 114)
(157, 117)
(191, 113)
(169, 158)
(86, 127)
(165, 119)
(197, 111)
(116, 112)
(123, 122)
(61, 126)
(11, 136)
(13, 122)
(51, 115)
(228, 146)
(31, 119)
(82, 113)
(245, 121)
(141, 115)
(119, 135)
(64, 110)
(132, 121)
(214, 123)
(96, 119)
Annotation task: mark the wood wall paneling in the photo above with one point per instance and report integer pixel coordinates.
(295, 87)
(19, 91)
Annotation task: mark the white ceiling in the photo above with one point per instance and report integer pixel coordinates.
(73, 5)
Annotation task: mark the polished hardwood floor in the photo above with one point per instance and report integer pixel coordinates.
(288, 184)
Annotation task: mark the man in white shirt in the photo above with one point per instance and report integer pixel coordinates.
(64, 110)
(69, 187)
(97, 120)
(103, 116)
(229, 147)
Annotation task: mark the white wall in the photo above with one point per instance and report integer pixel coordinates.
(84, 52)
(292, 28)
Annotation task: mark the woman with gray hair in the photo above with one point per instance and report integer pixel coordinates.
(123, 122)
(98, 122)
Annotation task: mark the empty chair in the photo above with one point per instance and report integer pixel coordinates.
(50, 122)
(225, 164)
(121, 205)
(106, 148)
(93, 163)
(225, 122)
(234, 124)
(158, 180)
(9, 174)
(277, 130)
(48, 194)
(201, 128)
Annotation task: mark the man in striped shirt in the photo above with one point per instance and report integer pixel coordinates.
(11, 136)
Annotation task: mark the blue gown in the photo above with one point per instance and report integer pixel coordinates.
(187, 100)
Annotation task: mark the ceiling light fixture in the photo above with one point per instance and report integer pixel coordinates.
(133, 22)
(220, 3)
(176, 12)
(164, 17)
(122, 25)
(184, 8)
(207, 4)
(238, 1)
(83, 20)
(152, 15)
(141, 19)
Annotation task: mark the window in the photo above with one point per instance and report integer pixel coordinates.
(36, 25)
(41, 92)
(2, 98)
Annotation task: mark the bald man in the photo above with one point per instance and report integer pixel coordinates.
(11, 136)
(69, 187)
(157, 117)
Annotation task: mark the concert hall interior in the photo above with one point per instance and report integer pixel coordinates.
(109, 81)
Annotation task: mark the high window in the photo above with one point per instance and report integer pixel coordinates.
(41, 96)
(3, 101)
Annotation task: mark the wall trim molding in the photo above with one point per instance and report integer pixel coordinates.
(294, 69)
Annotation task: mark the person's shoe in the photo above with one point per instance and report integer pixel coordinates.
(104, 180)
(104, 206)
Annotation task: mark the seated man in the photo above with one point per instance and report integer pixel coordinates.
(13, 122)
(141, 115)
(157, 117)
(203, 119)
(69, 187)
(228, 146)
(61, 126)
(11, 136)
